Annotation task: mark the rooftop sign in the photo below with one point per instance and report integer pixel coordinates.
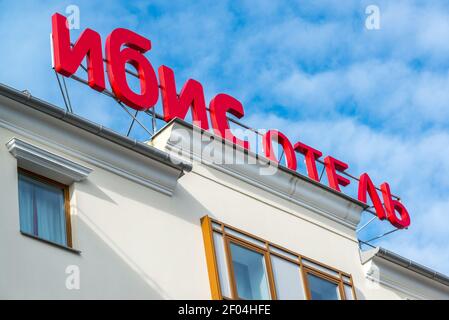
(127, 47)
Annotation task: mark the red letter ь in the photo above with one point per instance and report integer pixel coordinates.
(392, 206)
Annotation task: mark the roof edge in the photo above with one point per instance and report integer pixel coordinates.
(406, 263)
(92, 127)
(296, 174)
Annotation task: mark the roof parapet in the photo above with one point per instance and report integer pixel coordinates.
(27, 99)
(404, 262)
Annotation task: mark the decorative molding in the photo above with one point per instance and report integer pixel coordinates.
(181, 139)
(37, 159)
(392, 285)
(140, 164)
(395, 275)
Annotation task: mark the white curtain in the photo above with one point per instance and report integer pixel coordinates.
(26, 205)
(42, 210)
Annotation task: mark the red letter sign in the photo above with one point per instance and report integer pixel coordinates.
(126, 47)
(392, 206)
(68, 59)
(366, 185)
(133, 54)
(219, 106)
(290, 155)
(191, 95)
(335, 180)
(311, 155)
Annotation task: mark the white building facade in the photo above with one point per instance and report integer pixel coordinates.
(89, 214)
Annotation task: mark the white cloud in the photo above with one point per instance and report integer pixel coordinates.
(416, 168)
(376, 99)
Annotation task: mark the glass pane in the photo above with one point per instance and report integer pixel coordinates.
(250, 273)
(216, 226)
(41, 210)
(284, 253)
(348, 292)
(287, 278)
(321, 289)
(245, 237)
(222, 266)
(320, 268)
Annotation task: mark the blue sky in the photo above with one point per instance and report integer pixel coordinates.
(377, 99)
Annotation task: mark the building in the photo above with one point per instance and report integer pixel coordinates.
(89, 214)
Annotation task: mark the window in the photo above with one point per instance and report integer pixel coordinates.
(243, 266)
(287, 279)
(250, 274)
(43, 209)
(322, 289)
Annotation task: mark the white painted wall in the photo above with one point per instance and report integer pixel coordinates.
(137, 242)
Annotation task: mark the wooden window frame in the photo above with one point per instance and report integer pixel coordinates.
(268, 272)
(208, 229)
(306, 271)
(66, 194)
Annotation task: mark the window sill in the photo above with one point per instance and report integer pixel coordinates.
(51, 243)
